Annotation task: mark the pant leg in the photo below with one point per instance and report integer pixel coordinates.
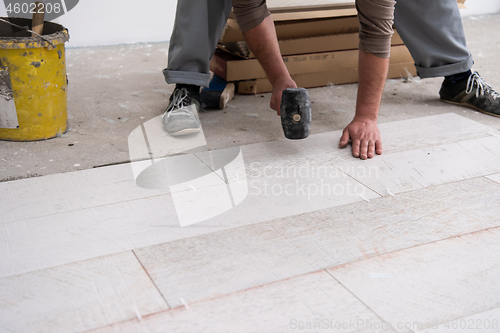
(197, 28)
(433, 32)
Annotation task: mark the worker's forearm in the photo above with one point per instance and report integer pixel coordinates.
(264, 44)
(372, 76)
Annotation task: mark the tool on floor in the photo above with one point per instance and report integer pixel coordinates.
(295, 113)
(38, 18)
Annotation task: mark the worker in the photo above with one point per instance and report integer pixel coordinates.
(434, 37)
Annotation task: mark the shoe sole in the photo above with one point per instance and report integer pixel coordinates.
(186, 131)
(471, 107)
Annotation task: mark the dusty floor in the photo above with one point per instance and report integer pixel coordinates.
(112, 90)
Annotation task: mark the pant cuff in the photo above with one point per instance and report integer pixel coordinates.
(445, 70)
(199, 79)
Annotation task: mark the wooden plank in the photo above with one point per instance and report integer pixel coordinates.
(434, 283)
(410, 170)
(228, 261)
(314, 301)
(78, 297)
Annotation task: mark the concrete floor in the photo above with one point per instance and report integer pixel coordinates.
(112, 90)
(405, 242)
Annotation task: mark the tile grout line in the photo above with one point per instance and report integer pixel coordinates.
(359, 182)
(152, 281)
(415, 246)
(209, 167)
(491, 180)
(359, 299)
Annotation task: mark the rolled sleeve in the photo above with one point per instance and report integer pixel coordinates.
(250, 13)
(376, 19)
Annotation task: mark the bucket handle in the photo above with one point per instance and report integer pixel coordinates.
(52, 46)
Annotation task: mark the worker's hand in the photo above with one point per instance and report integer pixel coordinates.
(365, 138)
(278, 87)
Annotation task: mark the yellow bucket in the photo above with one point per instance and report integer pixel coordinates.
(33, 83)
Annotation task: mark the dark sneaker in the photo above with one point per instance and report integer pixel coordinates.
(181, 116)
(477, 94)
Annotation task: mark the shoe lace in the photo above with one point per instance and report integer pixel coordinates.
(482, 87)
(180, 100)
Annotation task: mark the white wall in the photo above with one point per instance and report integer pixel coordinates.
(108, 22)
(480, 7)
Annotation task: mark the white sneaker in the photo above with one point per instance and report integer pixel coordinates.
(181, 116)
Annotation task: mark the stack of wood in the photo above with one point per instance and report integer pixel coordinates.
(319, 45)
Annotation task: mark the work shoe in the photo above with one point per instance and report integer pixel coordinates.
(476, 94)
(181, 116)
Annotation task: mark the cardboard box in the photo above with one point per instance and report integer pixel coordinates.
(328, 43)
(313, 14)
(298, 28)
(301, 10)
(320, 79)
(232, 68)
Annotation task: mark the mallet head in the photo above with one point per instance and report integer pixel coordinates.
(295, 113)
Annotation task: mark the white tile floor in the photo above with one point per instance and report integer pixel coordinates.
(418, 243)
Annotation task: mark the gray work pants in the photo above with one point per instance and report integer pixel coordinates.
(433, 32)
(197, 28)
(431, 29)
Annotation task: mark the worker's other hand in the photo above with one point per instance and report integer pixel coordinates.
(278, 87)
(365, 138)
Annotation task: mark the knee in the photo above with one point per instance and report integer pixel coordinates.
(250, 13)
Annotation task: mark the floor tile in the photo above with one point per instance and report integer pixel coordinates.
(312, 303)
(79, 296)
(227, 261)
(410, 170)
(429, 284)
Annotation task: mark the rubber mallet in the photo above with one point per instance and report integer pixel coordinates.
(295, 113)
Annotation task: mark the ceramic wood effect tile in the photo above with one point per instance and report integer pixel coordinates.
(313, 302)
(429, 284)
(495, 178)
(484, 322)
(78, 297)
(213, 265)
(61, 193)
(410, 170)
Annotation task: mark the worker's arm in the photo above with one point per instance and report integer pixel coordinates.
(263, 42)
(376, 19)
(258, 28)
(363, 131)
